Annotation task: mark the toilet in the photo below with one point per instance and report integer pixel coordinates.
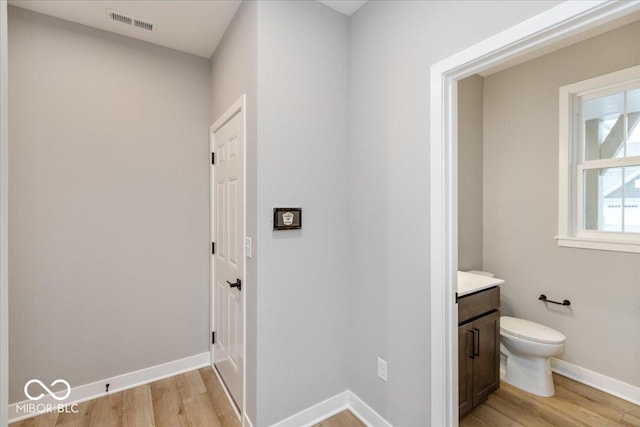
(529, 348)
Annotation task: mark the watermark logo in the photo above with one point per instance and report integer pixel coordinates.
(52, 394)
(38, 408)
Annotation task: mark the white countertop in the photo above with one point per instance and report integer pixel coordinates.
(469, 283)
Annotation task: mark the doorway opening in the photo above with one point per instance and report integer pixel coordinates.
(525, 41)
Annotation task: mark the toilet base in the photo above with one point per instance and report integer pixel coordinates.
(532, 374)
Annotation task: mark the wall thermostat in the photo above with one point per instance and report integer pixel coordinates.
(287, 218)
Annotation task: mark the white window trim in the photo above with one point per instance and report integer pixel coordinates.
(570, 234)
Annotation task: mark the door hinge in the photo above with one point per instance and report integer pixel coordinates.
(213, 248)
(213, 158)
(213, 337)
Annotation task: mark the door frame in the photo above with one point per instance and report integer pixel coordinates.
(238, 107)
(4, 210)
(558, 23)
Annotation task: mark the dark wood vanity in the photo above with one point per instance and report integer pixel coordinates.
(478, 347)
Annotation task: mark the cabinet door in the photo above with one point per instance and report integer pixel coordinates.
(486, 361)
(465, 372)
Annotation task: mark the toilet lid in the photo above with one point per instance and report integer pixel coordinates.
(530, 331)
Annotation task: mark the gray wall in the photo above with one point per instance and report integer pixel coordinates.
(234, 72)
(108, 203)
(303, 124)
(393, 44)
(343, 126)
(470, 173)
(521, 210)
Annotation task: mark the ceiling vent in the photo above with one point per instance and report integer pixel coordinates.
(123, 18)
(119, 17)
(142, 24)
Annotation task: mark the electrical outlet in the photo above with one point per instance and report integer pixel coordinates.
(382, 369)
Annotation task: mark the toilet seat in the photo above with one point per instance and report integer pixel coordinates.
(530, 331)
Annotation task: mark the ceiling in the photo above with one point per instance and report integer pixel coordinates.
(347, 7)
(190, 26)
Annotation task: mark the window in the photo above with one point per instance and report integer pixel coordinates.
(599, 193)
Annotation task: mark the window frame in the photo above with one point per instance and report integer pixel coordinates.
(572, 164)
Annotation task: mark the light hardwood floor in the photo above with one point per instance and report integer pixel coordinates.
(574, 404)
(194, 398)
(343, 419)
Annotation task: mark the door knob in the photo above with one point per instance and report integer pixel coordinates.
(238, 284)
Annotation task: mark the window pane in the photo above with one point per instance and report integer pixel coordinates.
(632, 199)
(604, 127)
(633, 120)
(603, 199)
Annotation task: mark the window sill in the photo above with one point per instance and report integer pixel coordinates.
(601, 245)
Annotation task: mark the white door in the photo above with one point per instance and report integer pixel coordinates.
(228, 260)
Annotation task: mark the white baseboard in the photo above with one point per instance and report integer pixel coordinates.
(318, 412)
(609, 385)
(247, 421)
(365, 412)
(121, 382)
(333, 405)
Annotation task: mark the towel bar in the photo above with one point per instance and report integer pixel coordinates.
(543, 297)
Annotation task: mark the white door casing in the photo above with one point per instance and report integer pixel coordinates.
(228, 261)
(558, 23)
(4, 210)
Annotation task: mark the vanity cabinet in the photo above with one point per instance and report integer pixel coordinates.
(478, 347)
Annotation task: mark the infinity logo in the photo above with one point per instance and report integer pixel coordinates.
(52, 394)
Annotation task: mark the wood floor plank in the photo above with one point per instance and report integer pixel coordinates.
(571, 410)
(200, 411)
(44, 420)
(355, 421)
(190, 384)
(345, 418)
(604, 410)
(168, 409)
(485, 415)
(517, 405)
(573, 404)
(470, 420)
(629, 420)
(225, 412)
(76, 422)
(137, 407)
(597, 395)
(515, 410)
(107, 411)
(70, 419)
